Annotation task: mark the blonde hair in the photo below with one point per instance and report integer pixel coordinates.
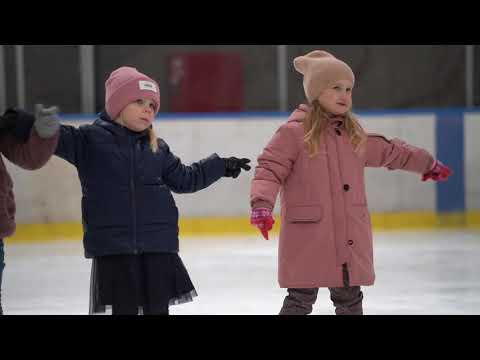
(151, 134)
(316, 122)
(153, 139)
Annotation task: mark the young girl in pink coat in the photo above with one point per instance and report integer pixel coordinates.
(316, 161)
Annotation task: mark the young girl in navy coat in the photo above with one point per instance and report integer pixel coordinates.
(130, 219)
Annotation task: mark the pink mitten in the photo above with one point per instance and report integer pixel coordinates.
(439, 172)
(263, 220)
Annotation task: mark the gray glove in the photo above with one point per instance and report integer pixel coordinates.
(47, 121)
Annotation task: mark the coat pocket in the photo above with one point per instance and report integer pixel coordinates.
(304, 214)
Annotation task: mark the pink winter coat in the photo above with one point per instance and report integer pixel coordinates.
(325, 220)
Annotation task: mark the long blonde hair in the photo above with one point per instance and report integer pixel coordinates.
(316, 122)
(153, 139)
(151, 134)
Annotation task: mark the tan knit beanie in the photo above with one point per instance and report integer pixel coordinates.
(320, 69)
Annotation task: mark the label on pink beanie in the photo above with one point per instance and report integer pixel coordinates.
(147, 85)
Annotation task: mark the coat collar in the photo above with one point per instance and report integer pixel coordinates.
(107, 123)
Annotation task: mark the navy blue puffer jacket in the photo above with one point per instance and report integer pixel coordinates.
(127, 205)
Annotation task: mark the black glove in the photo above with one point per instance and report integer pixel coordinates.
(7, 122)
(234, 166)
(17, 122)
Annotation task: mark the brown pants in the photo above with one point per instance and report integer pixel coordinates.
(347, 300)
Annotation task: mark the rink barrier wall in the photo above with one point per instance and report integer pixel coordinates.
(240, 226)
(450, 134)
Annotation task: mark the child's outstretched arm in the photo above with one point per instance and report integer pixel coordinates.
(396, 154)
(70, 144)
(181, 178)
(30, 140)
(274, 165)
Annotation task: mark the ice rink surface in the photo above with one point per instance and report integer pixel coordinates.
(417, 273)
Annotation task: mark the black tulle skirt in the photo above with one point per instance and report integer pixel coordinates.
(145, 283)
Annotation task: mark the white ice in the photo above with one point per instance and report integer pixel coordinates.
(418, 273)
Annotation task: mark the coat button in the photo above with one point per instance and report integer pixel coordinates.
(338, 132)
(350, 242)
(346, 187)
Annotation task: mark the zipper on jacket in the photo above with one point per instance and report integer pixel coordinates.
(132, 191)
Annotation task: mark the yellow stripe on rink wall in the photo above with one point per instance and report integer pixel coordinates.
(224, 226)
(46, 232)
(425, 220)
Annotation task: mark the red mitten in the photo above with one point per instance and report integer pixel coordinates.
(439, 172)
(263, 220)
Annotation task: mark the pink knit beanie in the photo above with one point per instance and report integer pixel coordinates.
(126, 85)
(320, 69)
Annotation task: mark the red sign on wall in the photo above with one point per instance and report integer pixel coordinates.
(206, 82)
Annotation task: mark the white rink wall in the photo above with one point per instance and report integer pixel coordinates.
(52, 194)
(472, 161)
